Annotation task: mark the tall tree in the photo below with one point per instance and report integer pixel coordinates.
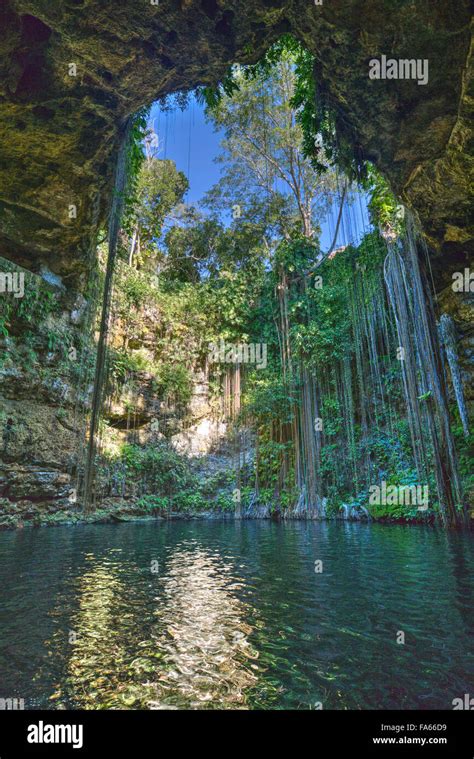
(160, 189)
(262, 152)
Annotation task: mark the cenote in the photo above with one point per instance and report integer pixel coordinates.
(222, 614)
(236, 383)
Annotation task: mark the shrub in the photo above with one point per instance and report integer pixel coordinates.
(163, 470)
(154, 503)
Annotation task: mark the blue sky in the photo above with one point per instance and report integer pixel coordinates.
(191, 142)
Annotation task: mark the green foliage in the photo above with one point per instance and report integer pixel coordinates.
(190, 501)
(37, 303)
(236, 300)
(123, 364)
(325, 135)
(174, 383)
(244, 281)
(465, 450)
(135, 158)
(266, 171)
(269, 397)
(400, 479)
(165, 471)
(160, 187)
(155, 504)
(224, 502)
(220, 480)
(174, 486)
(135, 289)
(331, 413)
(32, 325)
(384, 209)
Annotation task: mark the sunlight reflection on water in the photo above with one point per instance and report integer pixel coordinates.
(197, 654)
(205, 638)
(235, 616)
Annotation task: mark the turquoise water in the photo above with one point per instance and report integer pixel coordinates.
(221, 614)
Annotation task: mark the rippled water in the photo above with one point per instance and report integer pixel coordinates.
(233, 615)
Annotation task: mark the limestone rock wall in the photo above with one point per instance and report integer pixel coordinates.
(44, 396)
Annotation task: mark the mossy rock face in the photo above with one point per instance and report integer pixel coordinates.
(59, 133)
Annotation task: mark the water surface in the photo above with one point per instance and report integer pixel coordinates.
(220, 614)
